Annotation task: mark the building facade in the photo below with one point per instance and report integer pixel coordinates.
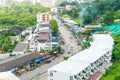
(48, 3)
(44, 17)
(85, 1)
(96, 58)
(41, 38)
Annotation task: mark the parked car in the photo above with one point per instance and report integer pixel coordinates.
(62, 42)
(62, 51)
(48, 61)
(52, 58)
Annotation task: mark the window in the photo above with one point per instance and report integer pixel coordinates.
(75, 76)
(51, 74)
(71, 78)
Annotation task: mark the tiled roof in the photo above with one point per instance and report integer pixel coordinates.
(43, 36)
(95, 76)
(21, 47)
(17, 61)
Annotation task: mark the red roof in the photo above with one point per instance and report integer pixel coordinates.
(47, 57)
(44, 35)
(95, 76)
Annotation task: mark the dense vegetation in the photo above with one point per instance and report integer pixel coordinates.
(22, 14)
(6, 44)
(102, 11)
(114, 72)
(13, 15)
(54, 27)
(72, 13)
(63, 4)
(5, 41)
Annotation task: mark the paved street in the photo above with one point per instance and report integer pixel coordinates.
(71, 46)
(69, 40)
(42, 70)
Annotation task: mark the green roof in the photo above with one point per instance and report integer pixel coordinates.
(115, 28)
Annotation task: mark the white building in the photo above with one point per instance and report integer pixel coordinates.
(98, 56)
(91, 27)
(69, 70)
(48, 3)
(8, 76)
(2, 2)
(4, 56)
(21, 48)
(41, 38)
(85, 1)
(56, 9)
(15, 38)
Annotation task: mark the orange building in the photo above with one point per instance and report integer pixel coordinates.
(44, 17)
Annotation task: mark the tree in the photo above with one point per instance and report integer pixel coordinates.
(108, 17)
(102, 8)
(117, 78)
(117, 15)
(23, 14)
(72, 13)
(116, 52)
(59, 49)
(5, 47)
(65, 57)
(54, 27)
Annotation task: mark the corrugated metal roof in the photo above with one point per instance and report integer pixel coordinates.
(17, 61)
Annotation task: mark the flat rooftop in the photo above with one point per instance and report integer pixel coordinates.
(101, 44)
(102, 37)
(70, 67)
(21, 47)
(17, 61)
(8, 76)
(93, 26)
(88, 56)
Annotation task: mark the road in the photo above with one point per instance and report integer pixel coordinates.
(69, 40)
(42, 70)
(71, 46)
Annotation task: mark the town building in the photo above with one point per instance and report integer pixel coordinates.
(57, 9)
(81, 1)
(85, 1)
(16, 62)
(40, 42)
(43, 42)
(48, 3)
(4, 56)
(15, 38)
(8, 76)
(41, 39)
(92, 60)
(43, 25)
(47, 16)
(2, 2)
(69, 7)
(21, 48)
(91, 27)
(69, 70)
